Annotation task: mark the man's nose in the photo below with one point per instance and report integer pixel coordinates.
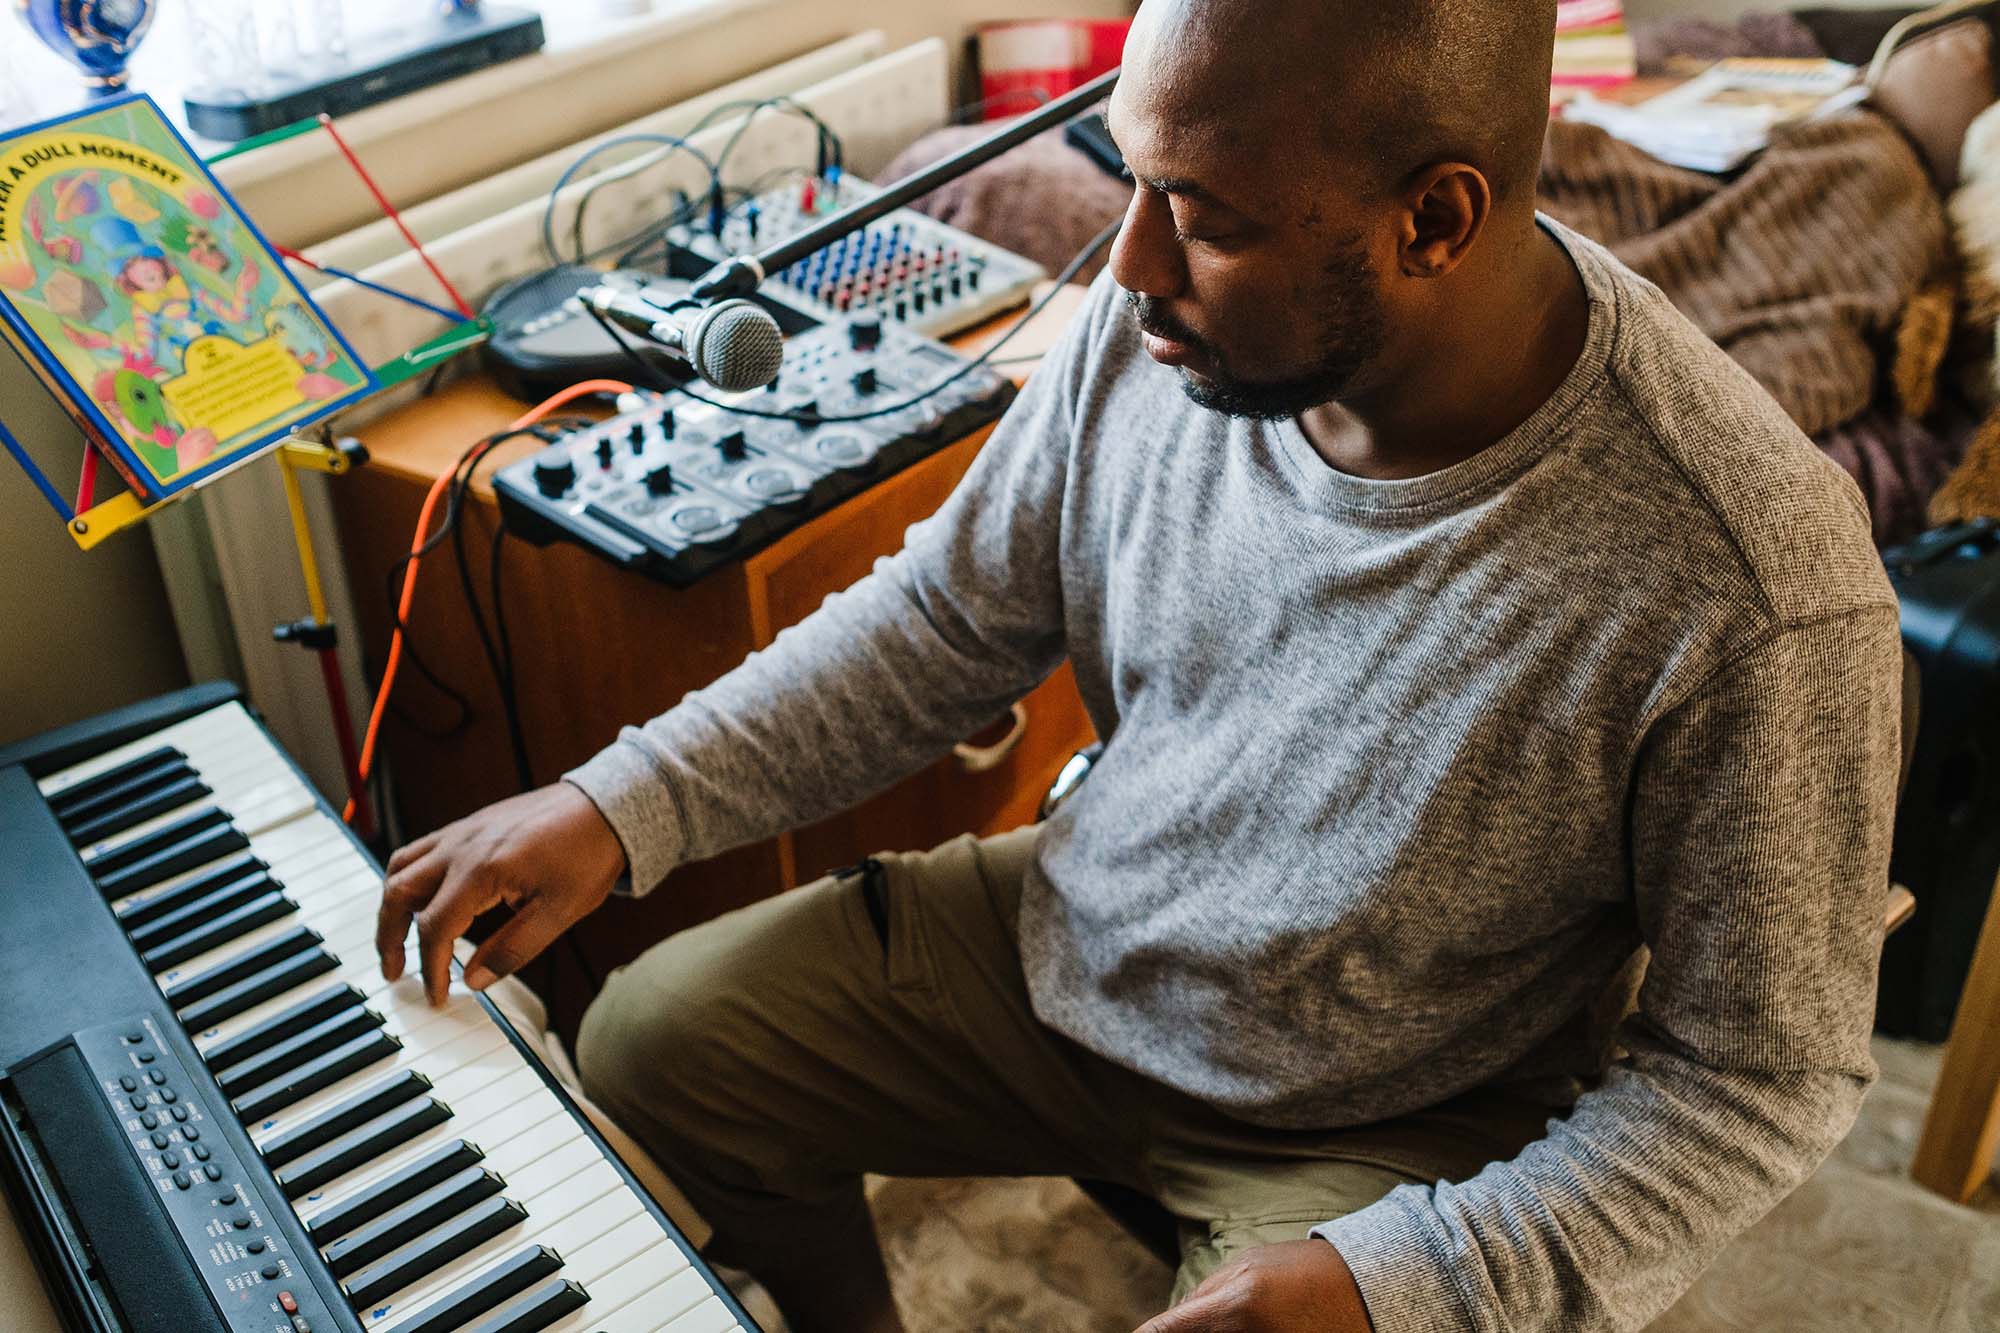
(1146, 258)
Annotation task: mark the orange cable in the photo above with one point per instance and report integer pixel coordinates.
(438, 488)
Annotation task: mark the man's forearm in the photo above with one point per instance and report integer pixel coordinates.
(1605, 1222)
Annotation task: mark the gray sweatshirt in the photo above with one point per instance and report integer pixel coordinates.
(1397, 776)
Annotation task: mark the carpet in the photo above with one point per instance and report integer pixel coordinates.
(1859, 1246)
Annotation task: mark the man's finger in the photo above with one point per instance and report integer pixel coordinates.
(534, 928)
(1208, 1310)
(403, 896)
(449, 914)
(411, 851)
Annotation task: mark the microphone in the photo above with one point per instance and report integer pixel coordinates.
(735, 345)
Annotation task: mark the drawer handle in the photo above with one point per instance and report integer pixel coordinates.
(983, 758)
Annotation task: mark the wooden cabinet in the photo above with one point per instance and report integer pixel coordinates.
(596, 648)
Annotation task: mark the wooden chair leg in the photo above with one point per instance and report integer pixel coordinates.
(1955, 1154)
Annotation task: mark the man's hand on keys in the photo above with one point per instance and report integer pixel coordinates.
(548, 855)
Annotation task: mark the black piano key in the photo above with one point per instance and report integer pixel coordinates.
(253, 990)
(410, 1221)
(197, 849)
(239, 966)
(150, 802)
(321, 1072)
(503, 1281)
(170, 834)
(466, 1232)
(441, 1163)
(232, 924)
(378, 1138)
(297, 1049)
(166, 757)
(226, 897)
(134, 915)
(287, 1022)
(356, 1111)
(535, 1313)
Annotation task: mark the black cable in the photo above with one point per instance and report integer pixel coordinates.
(569, 174)
(503, 677)
(648, 373)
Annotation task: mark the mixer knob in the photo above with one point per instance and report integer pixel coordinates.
(636, 437)
(667, 424)
(604, 451)
(732, 446)
(864, 333)
(660, 480)
(863, 380)
(805, 412)
(554, 472)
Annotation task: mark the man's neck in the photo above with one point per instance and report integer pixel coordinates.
(1490, 369)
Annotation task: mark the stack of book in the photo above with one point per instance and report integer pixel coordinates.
(1721, 119)
(1593, 48)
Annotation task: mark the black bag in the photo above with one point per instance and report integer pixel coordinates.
(1947, 849)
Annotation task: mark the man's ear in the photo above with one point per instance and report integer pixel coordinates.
(1445, 208)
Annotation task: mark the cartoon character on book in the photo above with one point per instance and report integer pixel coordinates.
(167, 314)
(133, 401)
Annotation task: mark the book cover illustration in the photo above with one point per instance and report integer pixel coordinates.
(138, 287)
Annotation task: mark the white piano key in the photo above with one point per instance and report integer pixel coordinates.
(664, 1269)
(558, 1167)
(202, 732)
(622, 1244)
(566, 1225)
(475, 1048)
(225, 953)
(712, 1316)
(494, 1131)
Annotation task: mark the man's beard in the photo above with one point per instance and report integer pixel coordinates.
(1351, 324)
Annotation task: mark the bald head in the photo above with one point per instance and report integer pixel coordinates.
(1384, 89)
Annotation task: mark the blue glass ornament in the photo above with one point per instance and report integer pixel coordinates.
(97, 36)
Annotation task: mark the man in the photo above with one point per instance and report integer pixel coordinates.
(1468, 624)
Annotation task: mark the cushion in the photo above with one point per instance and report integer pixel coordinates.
(1934, 86)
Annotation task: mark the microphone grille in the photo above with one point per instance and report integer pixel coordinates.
(736, 346)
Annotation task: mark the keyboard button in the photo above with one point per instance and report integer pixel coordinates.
(140, 913)
(376, 1139)
(212, 1171)
(235, 922)
(74, 800)
(240, 967)
(298, 1049)
(482, 1293)
(484, 1220)
(155, 1077)
(406, 1223)
(127, 1082)
(170, 1160)
(351, 1114)
(322, 1071)
(161, 1140)
(183, 1181)
(285, 1023)
(253, 990)
(147, 1118)
(179, 1113)
(537, 1311)
(143, 801)
(365, 1205)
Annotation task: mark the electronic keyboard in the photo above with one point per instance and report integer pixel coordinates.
(215, 1114)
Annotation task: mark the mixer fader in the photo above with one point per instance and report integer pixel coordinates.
(674, 486)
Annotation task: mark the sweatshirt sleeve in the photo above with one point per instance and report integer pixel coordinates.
(932, 645)
(1761, 817)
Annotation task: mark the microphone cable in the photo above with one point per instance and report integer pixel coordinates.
(660, 382)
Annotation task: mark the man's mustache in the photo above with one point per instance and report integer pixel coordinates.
(1152, 319)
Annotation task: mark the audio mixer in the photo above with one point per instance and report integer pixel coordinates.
(674, 486)
(904, 267)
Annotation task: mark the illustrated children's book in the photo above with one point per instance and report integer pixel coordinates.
(137, 291)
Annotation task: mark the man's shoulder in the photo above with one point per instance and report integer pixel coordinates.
(1727, 473)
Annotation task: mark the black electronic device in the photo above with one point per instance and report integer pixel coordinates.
(1089, 135)
(216, 1115)
(1947, 848)
(675, 486)
(436, 44)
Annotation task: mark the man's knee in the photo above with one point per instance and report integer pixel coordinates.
(652, 1038)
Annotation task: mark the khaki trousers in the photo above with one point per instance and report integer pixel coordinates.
(881, 1023)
